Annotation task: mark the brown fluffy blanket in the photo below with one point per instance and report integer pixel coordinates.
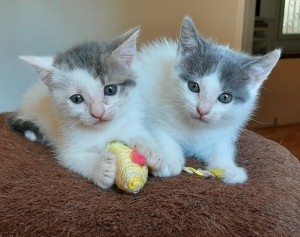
(40, 198)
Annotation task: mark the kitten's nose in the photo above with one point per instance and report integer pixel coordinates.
(97, 116)
(97, 111)
(202, 112)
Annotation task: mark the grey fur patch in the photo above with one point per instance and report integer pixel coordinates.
(95, 57)
(91, 56)
(234, 80)
(197, 65)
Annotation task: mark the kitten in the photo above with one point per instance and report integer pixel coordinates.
(199, 96)
(87, 98)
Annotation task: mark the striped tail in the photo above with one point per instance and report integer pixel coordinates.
(27, 128)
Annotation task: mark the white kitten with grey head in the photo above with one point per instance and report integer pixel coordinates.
(87, 98)
(199, 96)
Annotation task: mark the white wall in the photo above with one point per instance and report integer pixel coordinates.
(44, 27)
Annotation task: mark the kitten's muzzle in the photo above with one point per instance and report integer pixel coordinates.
(100, 118)
(201, 115)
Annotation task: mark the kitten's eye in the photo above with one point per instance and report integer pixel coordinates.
(110, 90)
(225, 98)
(193, 86)
(76, 99)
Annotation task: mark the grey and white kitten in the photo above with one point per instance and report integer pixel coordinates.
(87, 97)
(199, 95)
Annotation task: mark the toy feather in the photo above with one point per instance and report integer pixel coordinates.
(130, 176)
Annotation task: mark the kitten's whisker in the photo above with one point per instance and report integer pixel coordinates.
(262, 123)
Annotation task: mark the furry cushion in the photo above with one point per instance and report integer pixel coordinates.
(40, 198)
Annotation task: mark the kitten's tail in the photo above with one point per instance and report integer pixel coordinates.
(27, 128)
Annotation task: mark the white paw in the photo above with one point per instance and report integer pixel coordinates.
(105, 172)
(161, 167)
(144, 150)
(235, 175)
(166, 167)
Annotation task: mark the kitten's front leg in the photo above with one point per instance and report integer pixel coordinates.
(222, 157)
(105, 170)
(99, 167)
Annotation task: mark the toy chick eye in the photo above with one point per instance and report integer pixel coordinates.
(76, 99)
(193, 86)
(110, 90)
(225, 98)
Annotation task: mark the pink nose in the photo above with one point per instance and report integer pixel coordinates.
(97, 116)
(202, 113)
(97, 110)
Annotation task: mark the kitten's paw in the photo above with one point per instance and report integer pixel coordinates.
(235, 175)
(144, 150)
(105, 172)
(166, 167)
(160, 167)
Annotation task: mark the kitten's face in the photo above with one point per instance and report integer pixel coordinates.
(91, 101)
(214, 94)
(217, 85)
(91, 83)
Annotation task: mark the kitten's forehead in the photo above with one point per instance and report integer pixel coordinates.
(94, 57)
(234, 79)
(205, 61)
(83, 81)
(89, 55)
(210, 84)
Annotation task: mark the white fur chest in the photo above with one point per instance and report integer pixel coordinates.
(200, 142)
(95, 140)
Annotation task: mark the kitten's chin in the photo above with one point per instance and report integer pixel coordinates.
(96, 122)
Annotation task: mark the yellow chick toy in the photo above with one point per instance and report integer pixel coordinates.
(132, 172)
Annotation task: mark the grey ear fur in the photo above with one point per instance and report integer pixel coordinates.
(43, 65)
(190, 41)
(262, 67)
(126, 52)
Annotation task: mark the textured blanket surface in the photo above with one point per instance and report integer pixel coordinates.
(40, 198)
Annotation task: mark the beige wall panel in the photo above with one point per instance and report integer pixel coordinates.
(280, 98)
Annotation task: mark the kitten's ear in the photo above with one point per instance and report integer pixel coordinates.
(262, 67)
(125, 53)
(190, 41)
(43, 66)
